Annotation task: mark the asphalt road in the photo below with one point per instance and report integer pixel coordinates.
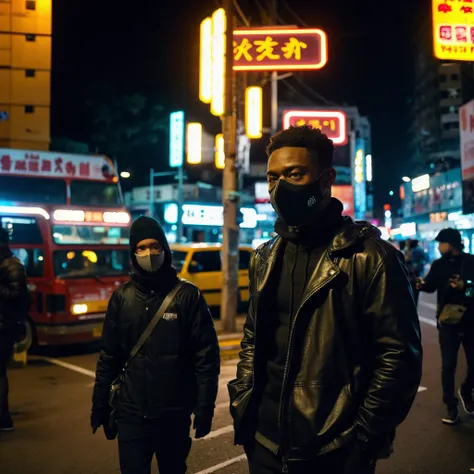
(51, 401)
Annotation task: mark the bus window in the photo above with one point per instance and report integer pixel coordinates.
(22, 230)
(90, 235)
(84, 263)
(35, 190)
(88, 193)
(32, 259)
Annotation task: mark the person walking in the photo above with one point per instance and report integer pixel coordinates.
(331, 354)
(452, 277)
(13, 311)
(159, 361)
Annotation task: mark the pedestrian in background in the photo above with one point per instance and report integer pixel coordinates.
(331, 354)
(13, 311)
(154, 387)
(416, 259)
(452, 276)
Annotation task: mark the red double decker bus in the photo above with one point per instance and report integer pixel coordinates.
(68, 224)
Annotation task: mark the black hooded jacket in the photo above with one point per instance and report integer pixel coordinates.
(177, 369)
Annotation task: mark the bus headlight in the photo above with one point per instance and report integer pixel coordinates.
(79, 309)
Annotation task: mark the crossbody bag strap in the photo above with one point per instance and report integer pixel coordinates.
(156, 319)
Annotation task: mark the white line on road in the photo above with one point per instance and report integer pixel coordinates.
(430, 322)
(421, 389)
(219, 432)
(65, 365)
(428, 305)
(222, 465)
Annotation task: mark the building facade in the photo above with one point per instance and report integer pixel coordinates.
(25, 73)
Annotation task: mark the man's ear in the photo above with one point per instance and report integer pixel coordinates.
(329, 177)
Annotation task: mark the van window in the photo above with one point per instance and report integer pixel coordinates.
(244, 259)
(208, 261)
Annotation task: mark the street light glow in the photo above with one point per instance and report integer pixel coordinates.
(125, 174)
(406, 179)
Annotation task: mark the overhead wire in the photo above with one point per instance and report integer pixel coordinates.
(242, 16)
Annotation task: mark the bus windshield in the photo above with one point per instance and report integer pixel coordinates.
(89, 193)
(37, 190)
(86, 263)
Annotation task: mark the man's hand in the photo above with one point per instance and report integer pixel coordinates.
(419, 283)
(359, 461)
(99, 417)
(203, 424)
(457, 282)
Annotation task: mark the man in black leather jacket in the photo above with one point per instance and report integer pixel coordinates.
(173, 375)
(13, 310)
(331, 355)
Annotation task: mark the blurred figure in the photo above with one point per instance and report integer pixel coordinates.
(173, 374)
(402, 246)
(452, 276)
(13, 311)
(416, 259)
(331, 353)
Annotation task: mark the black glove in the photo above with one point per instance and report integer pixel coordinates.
(99, 417)
(202, 424)
(360, 460)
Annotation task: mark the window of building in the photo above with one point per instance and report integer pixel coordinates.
(31, 38)
(455, 77)
(31, 4)
(30, 73)
(442, 78)
(29, 109)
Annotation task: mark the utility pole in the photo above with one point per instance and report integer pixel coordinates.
(230, 195)
(274, 79)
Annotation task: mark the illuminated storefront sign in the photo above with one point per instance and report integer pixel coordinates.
(196, 215)
(421, 183)
(438, 217)
(176, 139)
(332, 123)
(345, 194)
(273, 49)
(360, 191)
(453, 29)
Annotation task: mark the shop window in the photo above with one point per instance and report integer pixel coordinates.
(207, 262)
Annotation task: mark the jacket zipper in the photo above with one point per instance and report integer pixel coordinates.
(281, 413)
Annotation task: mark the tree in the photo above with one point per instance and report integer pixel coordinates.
(124, 125)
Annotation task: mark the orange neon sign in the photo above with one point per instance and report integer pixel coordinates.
(333, 123)
(279, 49)
(453, 29)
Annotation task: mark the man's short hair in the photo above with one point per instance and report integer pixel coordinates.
(319, 146)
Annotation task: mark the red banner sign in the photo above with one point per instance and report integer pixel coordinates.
(276, 49)
(332, 123)
(345, 194)
(54, 165)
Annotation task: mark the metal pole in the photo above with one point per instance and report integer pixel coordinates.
(152, 191)
(274, 79)
(230, 197)
(180, 203)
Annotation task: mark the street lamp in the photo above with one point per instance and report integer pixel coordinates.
(125, 174)
(406, 179)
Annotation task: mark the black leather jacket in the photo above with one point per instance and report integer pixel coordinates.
(355, 357)
(14, 298)
(177, 368)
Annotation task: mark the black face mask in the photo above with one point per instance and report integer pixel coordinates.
(296, 205)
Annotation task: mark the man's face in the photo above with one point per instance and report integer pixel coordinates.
(296, 166)
(445, 248)
(151, 246)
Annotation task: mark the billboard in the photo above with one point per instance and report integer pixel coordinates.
(453, 30)
(332, 123)
(279, 49)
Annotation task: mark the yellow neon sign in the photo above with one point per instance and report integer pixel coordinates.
(194, 143)
(217, 73)
(253, 112)
(205, 62)
(219, 152)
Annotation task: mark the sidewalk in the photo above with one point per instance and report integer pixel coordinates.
(230, 342)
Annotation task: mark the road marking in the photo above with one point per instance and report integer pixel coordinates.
(222, 465)
(219, 432)
(421, 389)
(429, 305)
(66, 365)
(430, 322)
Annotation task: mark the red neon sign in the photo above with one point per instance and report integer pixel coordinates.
(332, 123)
(279, 49)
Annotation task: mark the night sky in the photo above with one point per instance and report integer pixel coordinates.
(152, 47)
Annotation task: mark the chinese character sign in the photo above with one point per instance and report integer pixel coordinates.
(276, 49)
(453, 29)
(55, 165)
(331, 122)
(466, 120)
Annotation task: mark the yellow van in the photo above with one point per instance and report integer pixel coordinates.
(201, 265)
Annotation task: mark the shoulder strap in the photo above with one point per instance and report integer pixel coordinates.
(156, 319)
